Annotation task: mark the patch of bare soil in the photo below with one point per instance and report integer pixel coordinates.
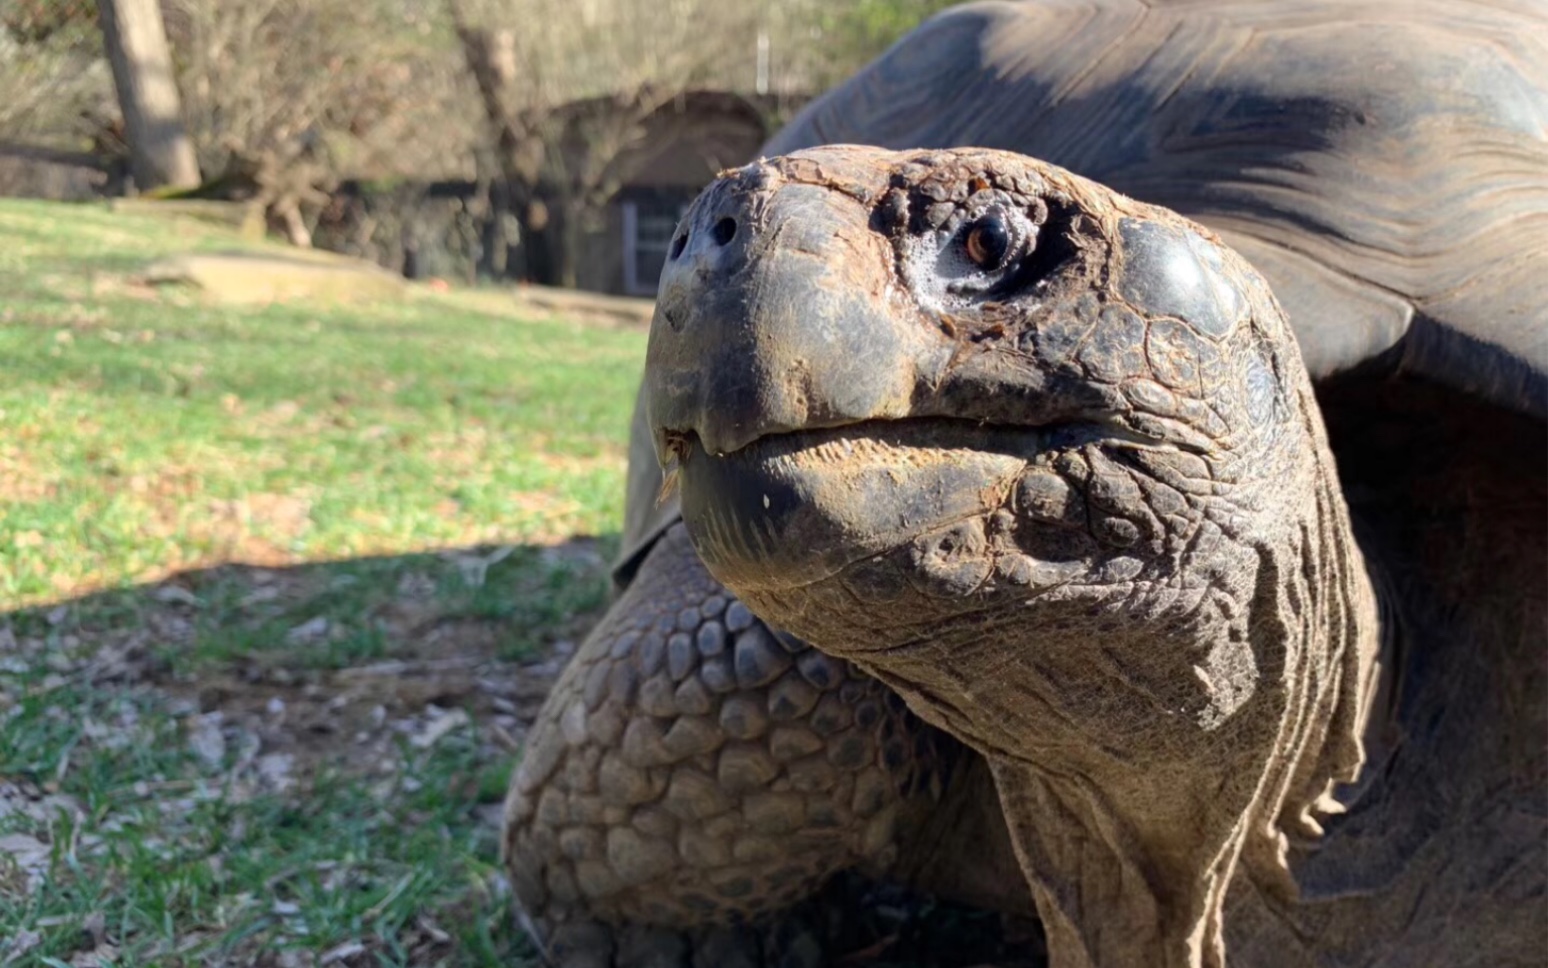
(249, 277)
(445, 673)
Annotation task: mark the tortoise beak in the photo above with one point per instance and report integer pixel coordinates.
(772, 317)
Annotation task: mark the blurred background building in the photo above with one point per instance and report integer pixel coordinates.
(553, 142)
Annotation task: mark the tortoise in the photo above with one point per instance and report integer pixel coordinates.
(1175, 560)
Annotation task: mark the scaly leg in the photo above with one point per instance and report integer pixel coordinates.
(693, 773)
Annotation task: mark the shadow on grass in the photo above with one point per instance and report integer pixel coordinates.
(279, 766)
(304, 766)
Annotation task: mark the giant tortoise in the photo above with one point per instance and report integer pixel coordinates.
(1182, 576)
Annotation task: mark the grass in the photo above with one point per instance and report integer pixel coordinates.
(147, 433)
(280, 588)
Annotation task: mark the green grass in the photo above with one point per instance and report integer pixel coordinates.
(145, 432)
(182, 862)
(279, 586)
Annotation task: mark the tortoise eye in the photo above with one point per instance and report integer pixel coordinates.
(988, 242)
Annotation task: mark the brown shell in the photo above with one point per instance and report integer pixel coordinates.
(1385, 165)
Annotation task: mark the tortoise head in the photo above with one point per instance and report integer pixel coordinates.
(1044, 459)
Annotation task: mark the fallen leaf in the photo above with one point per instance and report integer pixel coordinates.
(29, 854)
(103, 956)
(438, 729)
(275, 770)
(207, 740)
(20, 943)
(348, 949)
(309, 631)
(429, 927)
(174, 594)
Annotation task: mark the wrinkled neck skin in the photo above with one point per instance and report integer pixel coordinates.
(1149, 737)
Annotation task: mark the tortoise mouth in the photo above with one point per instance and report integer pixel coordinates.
(907, 439)
(791, 509)
(794, 508)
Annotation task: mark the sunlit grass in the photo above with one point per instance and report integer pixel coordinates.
(143, 430)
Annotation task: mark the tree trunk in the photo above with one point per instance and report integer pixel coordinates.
(161, 156)
(567, 242)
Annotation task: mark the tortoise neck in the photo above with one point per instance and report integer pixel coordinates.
(1380, 698)
(1163, 832)
(1337, 649)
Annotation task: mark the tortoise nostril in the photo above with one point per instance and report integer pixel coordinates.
(679, 244)
(724, 230)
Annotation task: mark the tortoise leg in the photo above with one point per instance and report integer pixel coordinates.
(693, 775)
